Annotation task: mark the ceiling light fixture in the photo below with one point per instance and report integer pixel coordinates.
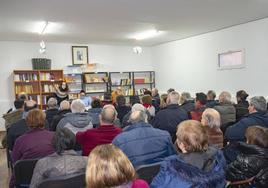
(137, 50)
(147, 34)
(43, 28)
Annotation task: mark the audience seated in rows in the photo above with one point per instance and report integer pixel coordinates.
(64, 109)
(108, 166)
(35, 143)
(200, 106)
(186, 102)
(252, 163)
(52, 110)
(78, 120)
(242, 104)
(142, 143)
(257, 116)
(226, 108)
(211, 96)
(168, 119)
(147, 103)
(20, 127)
(211, 120)
(104, 134)
(95, 111)
(197, 165)
(64, 161)
(121, 107)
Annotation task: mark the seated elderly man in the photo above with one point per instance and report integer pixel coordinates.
(52, 110)
(142, 143)
(187, 102)
(226, 108)
(64, 109)
(78, 120)
(104, 134)
(211, 121)
(257, 116)
(168, 118)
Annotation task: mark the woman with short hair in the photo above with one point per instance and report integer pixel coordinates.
(109, 167)
(64, 161)
(196, 165)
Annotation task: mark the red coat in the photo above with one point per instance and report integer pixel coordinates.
(94, 137)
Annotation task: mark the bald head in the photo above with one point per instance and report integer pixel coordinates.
(108, 114)
(211, 118)
(64, 105)
(29, 105)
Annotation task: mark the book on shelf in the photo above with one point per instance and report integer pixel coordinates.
(49, 88)
(38, 99)
(24, 88)
(46, 76)
(26, 77)
(121, 81)
(140, 91)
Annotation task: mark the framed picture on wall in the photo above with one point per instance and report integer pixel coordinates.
(80, 55)
(231, 60)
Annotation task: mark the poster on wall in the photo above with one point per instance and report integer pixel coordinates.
(80, 55)
(231, 60)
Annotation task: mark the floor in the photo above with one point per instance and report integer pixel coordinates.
(4, 171)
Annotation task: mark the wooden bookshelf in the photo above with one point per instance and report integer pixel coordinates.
(38, 84)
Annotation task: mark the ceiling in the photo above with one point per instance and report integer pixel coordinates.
(115, 21)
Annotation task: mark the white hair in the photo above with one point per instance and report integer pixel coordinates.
(173, 97)
(78, 106)
(137, 107)
(52, 102)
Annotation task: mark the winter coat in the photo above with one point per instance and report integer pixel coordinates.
(241, 109)
(237, 131)
(200, 170)
(76, 122)
(69, 162)
(248, 164)
(212, 103)
(169, 118)
(215, 137)
(122, 111)
(50, 114)
(144, 144)
(94, 114)
(188, 106)
(227, 112)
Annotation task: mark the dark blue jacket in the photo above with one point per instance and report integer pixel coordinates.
(144, 144)
(169, 118)
(175, 172)
(237, 131)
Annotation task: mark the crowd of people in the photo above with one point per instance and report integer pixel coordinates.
(203, 141)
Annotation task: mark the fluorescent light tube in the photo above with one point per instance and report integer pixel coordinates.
(43, 28)
(146, 34)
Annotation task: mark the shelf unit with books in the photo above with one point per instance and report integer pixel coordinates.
(74, 81)
(143, 80)
(38, 84)
(124, 80)
(95, 83)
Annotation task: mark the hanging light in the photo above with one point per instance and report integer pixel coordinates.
(137, 50)
(42, 47)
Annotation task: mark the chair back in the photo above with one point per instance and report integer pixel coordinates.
(148, 172)
(24, 171)
(70, 181)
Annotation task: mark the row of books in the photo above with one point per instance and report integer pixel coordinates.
(142, 80)
(43, 98)
(95, 88)
(47, 88)
(24, 88)
(47, 76)
(121, 82)
(93, 78)
(26, 77)
(140, 91)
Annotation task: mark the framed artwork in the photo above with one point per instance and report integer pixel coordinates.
(80, 55)
(231, 60)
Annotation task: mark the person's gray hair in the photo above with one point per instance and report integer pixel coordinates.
(259, 103)
(211, 94)
(78, 106)
(185, 96)
(64, 105)
(212, 118)
(138, 107)
(108, 114)
(52, 102)
(173, 97)
(138, 117)
(225, 97)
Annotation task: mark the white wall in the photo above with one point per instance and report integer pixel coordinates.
(191, 64)
(17, 55)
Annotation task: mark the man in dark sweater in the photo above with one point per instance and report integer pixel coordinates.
(101, 135)
(64, 109)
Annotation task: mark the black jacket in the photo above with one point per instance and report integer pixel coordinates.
(122, 111)
(57, 118)
(249, 163)
(241, 109)
(188, 106)
(50, 113)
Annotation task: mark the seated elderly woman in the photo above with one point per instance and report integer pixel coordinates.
(64, 161)
(197, 165)
(250, 169)
(108, 167)
(36, 142)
